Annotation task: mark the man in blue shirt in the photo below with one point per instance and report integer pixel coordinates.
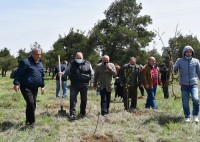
(28, 78)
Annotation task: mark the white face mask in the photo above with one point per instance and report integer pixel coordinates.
(188, 57)
(79, 60)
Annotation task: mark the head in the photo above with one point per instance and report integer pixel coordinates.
(152, 61)
(132, 61)
(163, 66)
(36, 54)
(65, 62)
(188, 52)
(117, 68)
(79, 57)
(105, 59)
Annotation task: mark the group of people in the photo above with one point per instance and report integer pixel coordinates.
(30, 76)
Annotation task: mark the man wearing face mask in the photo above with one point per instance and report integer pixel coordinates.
(189, 69)
(103, 75)
(129, 80)
(80, 72)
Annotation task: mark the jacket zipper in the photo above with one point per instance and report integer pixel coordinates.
(189, 70)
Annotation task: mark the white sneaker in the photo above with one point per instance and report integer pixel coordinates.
(196, 119)
(187, 120)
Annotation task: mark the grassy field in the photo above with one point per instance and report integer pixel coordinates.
(142, 125)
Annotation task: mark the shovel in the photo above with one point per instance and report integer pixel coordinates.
(61, 111)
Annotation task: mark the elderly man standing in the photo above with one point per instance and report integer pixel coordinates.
(150, 81)
(80, 72)
(103, 75)
(28, 78)
(129, 79)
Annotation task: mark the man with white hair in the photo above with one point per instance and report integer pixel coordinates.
(28, 78)
(103, 75)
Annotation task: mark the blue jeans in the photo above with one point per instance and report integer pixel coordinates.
(64, 88)
(151, 102)
(154, 89)
(185, 92)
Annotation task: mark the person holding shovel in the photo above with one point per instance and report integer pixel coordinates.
(63, 84)
(28, 78)
(80, 72)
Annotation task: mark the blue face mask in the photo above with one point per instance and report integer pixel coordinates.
(188, 57)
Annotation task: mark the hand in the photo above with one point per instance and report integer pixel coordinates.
(141, 85)
(94, 86)
(42, 90)
(171, 63)
(16, 88)
(108, 66)
(60, 73)
(91, 84)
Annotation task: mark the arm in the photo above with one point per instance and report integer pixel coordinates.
(121, 76)
(144, 76)
(20, 71)
(91, 74)
(96, 74)
(198, 69)
(112, 69)
(66, 72)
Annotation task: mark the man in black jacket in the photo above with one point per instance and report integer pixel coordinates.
(80, 72)
(28, 78)
(129, 79)
(165, 80)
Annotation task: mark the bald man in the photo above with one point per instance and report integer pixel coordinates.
(103, 75)
(80, 72)
(149, 77)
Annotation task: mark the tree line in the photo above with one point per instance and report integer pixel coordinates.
(122, 34)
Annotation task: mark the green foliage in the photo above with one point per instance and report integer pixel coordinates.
(123, 32)
(7, 61)
(165, 124)
(176, 45)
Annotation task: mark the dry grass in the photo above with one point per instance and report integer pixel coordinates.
(142, 125)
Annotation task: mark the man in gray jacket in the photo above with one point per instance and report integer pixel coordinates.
(189, 69)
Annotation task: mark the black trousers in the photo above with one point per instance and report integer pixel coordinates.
(30, 96)
(141, 90)
(105, 101)
(130, 92)
(165, 86)
(74, 90)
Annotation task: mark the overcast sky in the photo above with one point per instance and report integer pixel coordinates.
(23, 22)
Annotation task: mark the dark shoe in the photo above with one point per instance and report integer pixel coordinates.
(30, 125)
(104, 115)
(82, 115)
(148, 107)
(72, 117)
